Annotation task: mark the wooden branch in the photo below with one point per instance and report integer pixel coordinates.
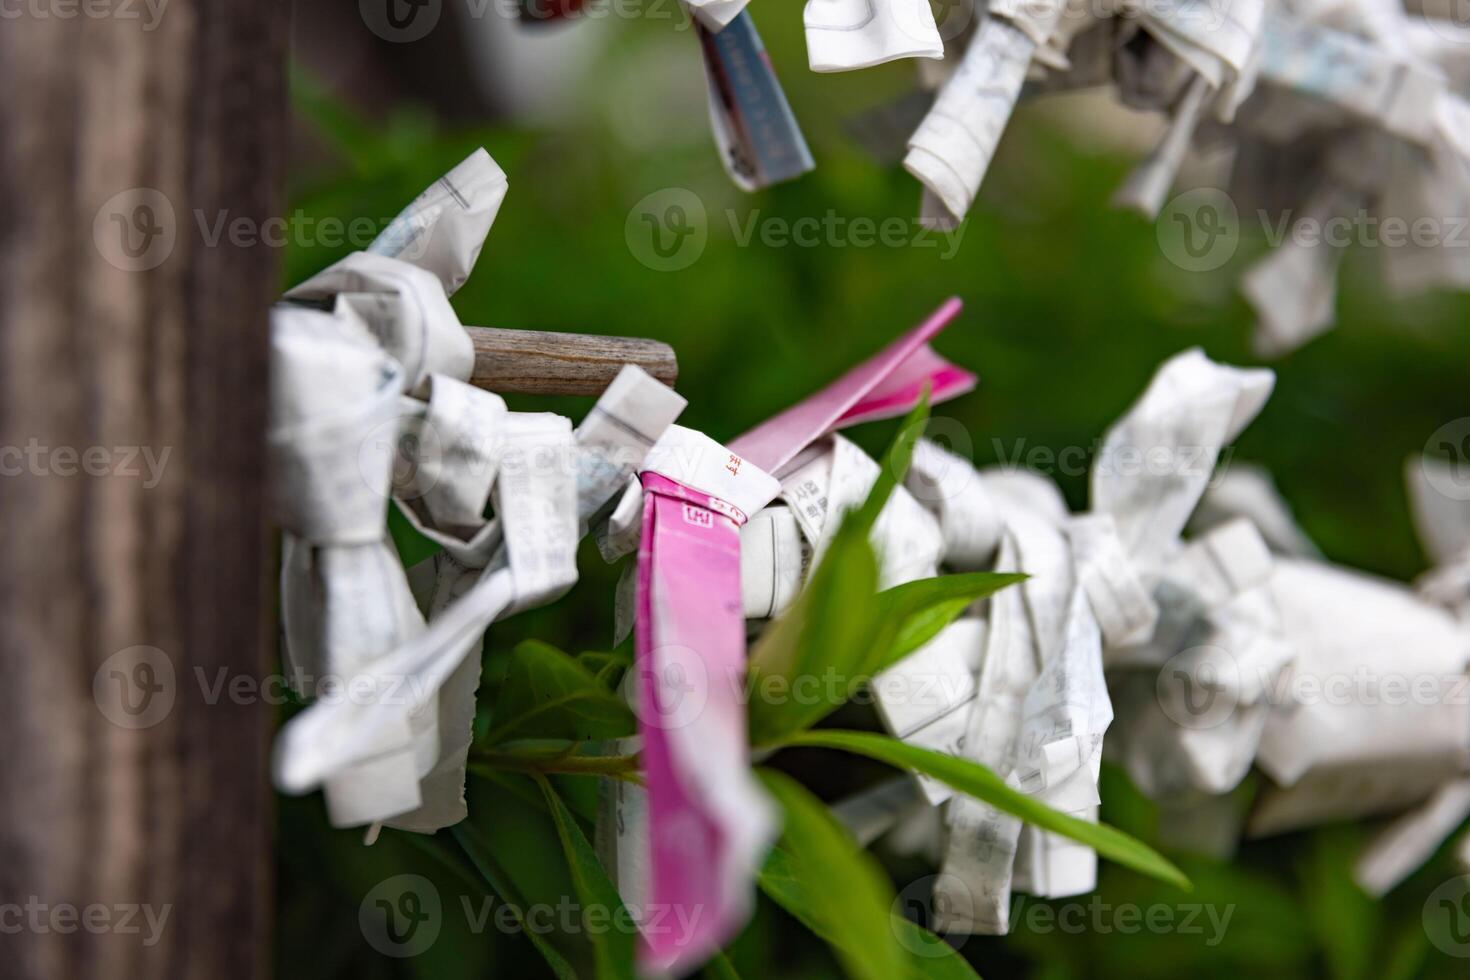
(541, 363)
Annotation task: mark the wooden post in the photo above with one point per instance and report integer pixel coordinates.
(135, 814)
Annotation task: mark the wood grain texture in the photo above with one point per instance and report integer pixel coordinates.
(541, 363)
(126, 337)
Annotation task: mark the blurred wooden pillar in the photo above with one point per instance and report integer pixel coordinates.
(128, 335)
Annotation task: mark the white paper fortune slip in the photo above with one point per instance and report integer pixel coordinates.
(1040, 722)
(1372, 723)
(1372, 716)
(369, 401)
(1215, 44)
(922, 699)
(1376, 718)
(845, 34)
(1187, 625)
(1038, 719)
(1371, 91)
(707, 824)
(346, 609)
(952, 148)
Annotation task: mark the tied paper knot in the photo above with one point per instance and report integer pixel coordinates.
(1216, 41)
(449, 463)
(371, 401)
(548, 482)
(952, 148)
(789, 538)
(1373, 719)
(1186, 626)
(1347, 120)
(400, 286)
(1202, 52)
(1373, 722)
(1379, 87)
(339, 378)
(1150, 474)
(824, 476)
(347, 610)
(1338, 743)
(708, 822)
(334, 420)
(969, 517)
(1038, 717)
(845, 34)
(1442, 520)
(685, 521)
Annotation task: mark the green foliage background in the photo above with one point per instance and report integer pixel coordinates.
(1070, 306)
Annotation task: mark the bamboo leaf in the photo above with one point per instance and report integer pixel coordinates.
(482, 853)
(612, 947)
(983, 784)
(837, 888)
(815, 657)
(928, 955)
(923, 608)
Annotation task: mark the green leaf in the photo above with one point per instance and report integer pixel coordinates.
(810, 660)
(840, 890)
(983, 784)
(815, 657)
(410, 543)
(557, 755)
(580, 793)
(895, 465)
(930, 956)
(925, 607)
(606, 664)
(612, 947)
(547, 693)
(482, 851)
(927, 955)
(1345, 919)
(720, 968)
(1407, 952)
(837, 631)
(436, 848)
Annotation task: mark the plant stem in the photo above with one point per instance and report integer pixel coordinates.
(621, 766)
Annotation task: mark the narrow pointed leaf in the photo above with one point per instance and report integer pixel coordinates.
(612, 947)
(841, 892)
(983, 784)
(481, 852)
(923, 608)
(927, 955)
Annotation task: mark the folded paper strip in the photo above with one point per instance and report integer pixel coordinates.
(1347, 120)
(370, 403)
(694, 837)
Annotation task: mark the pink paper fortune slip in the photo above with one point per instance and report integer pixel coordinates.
(709, 824)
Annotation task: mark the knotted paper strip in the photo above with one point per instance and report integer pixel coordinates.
(369, 401)
(708, 824)
(690, 595)
(845, 34)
